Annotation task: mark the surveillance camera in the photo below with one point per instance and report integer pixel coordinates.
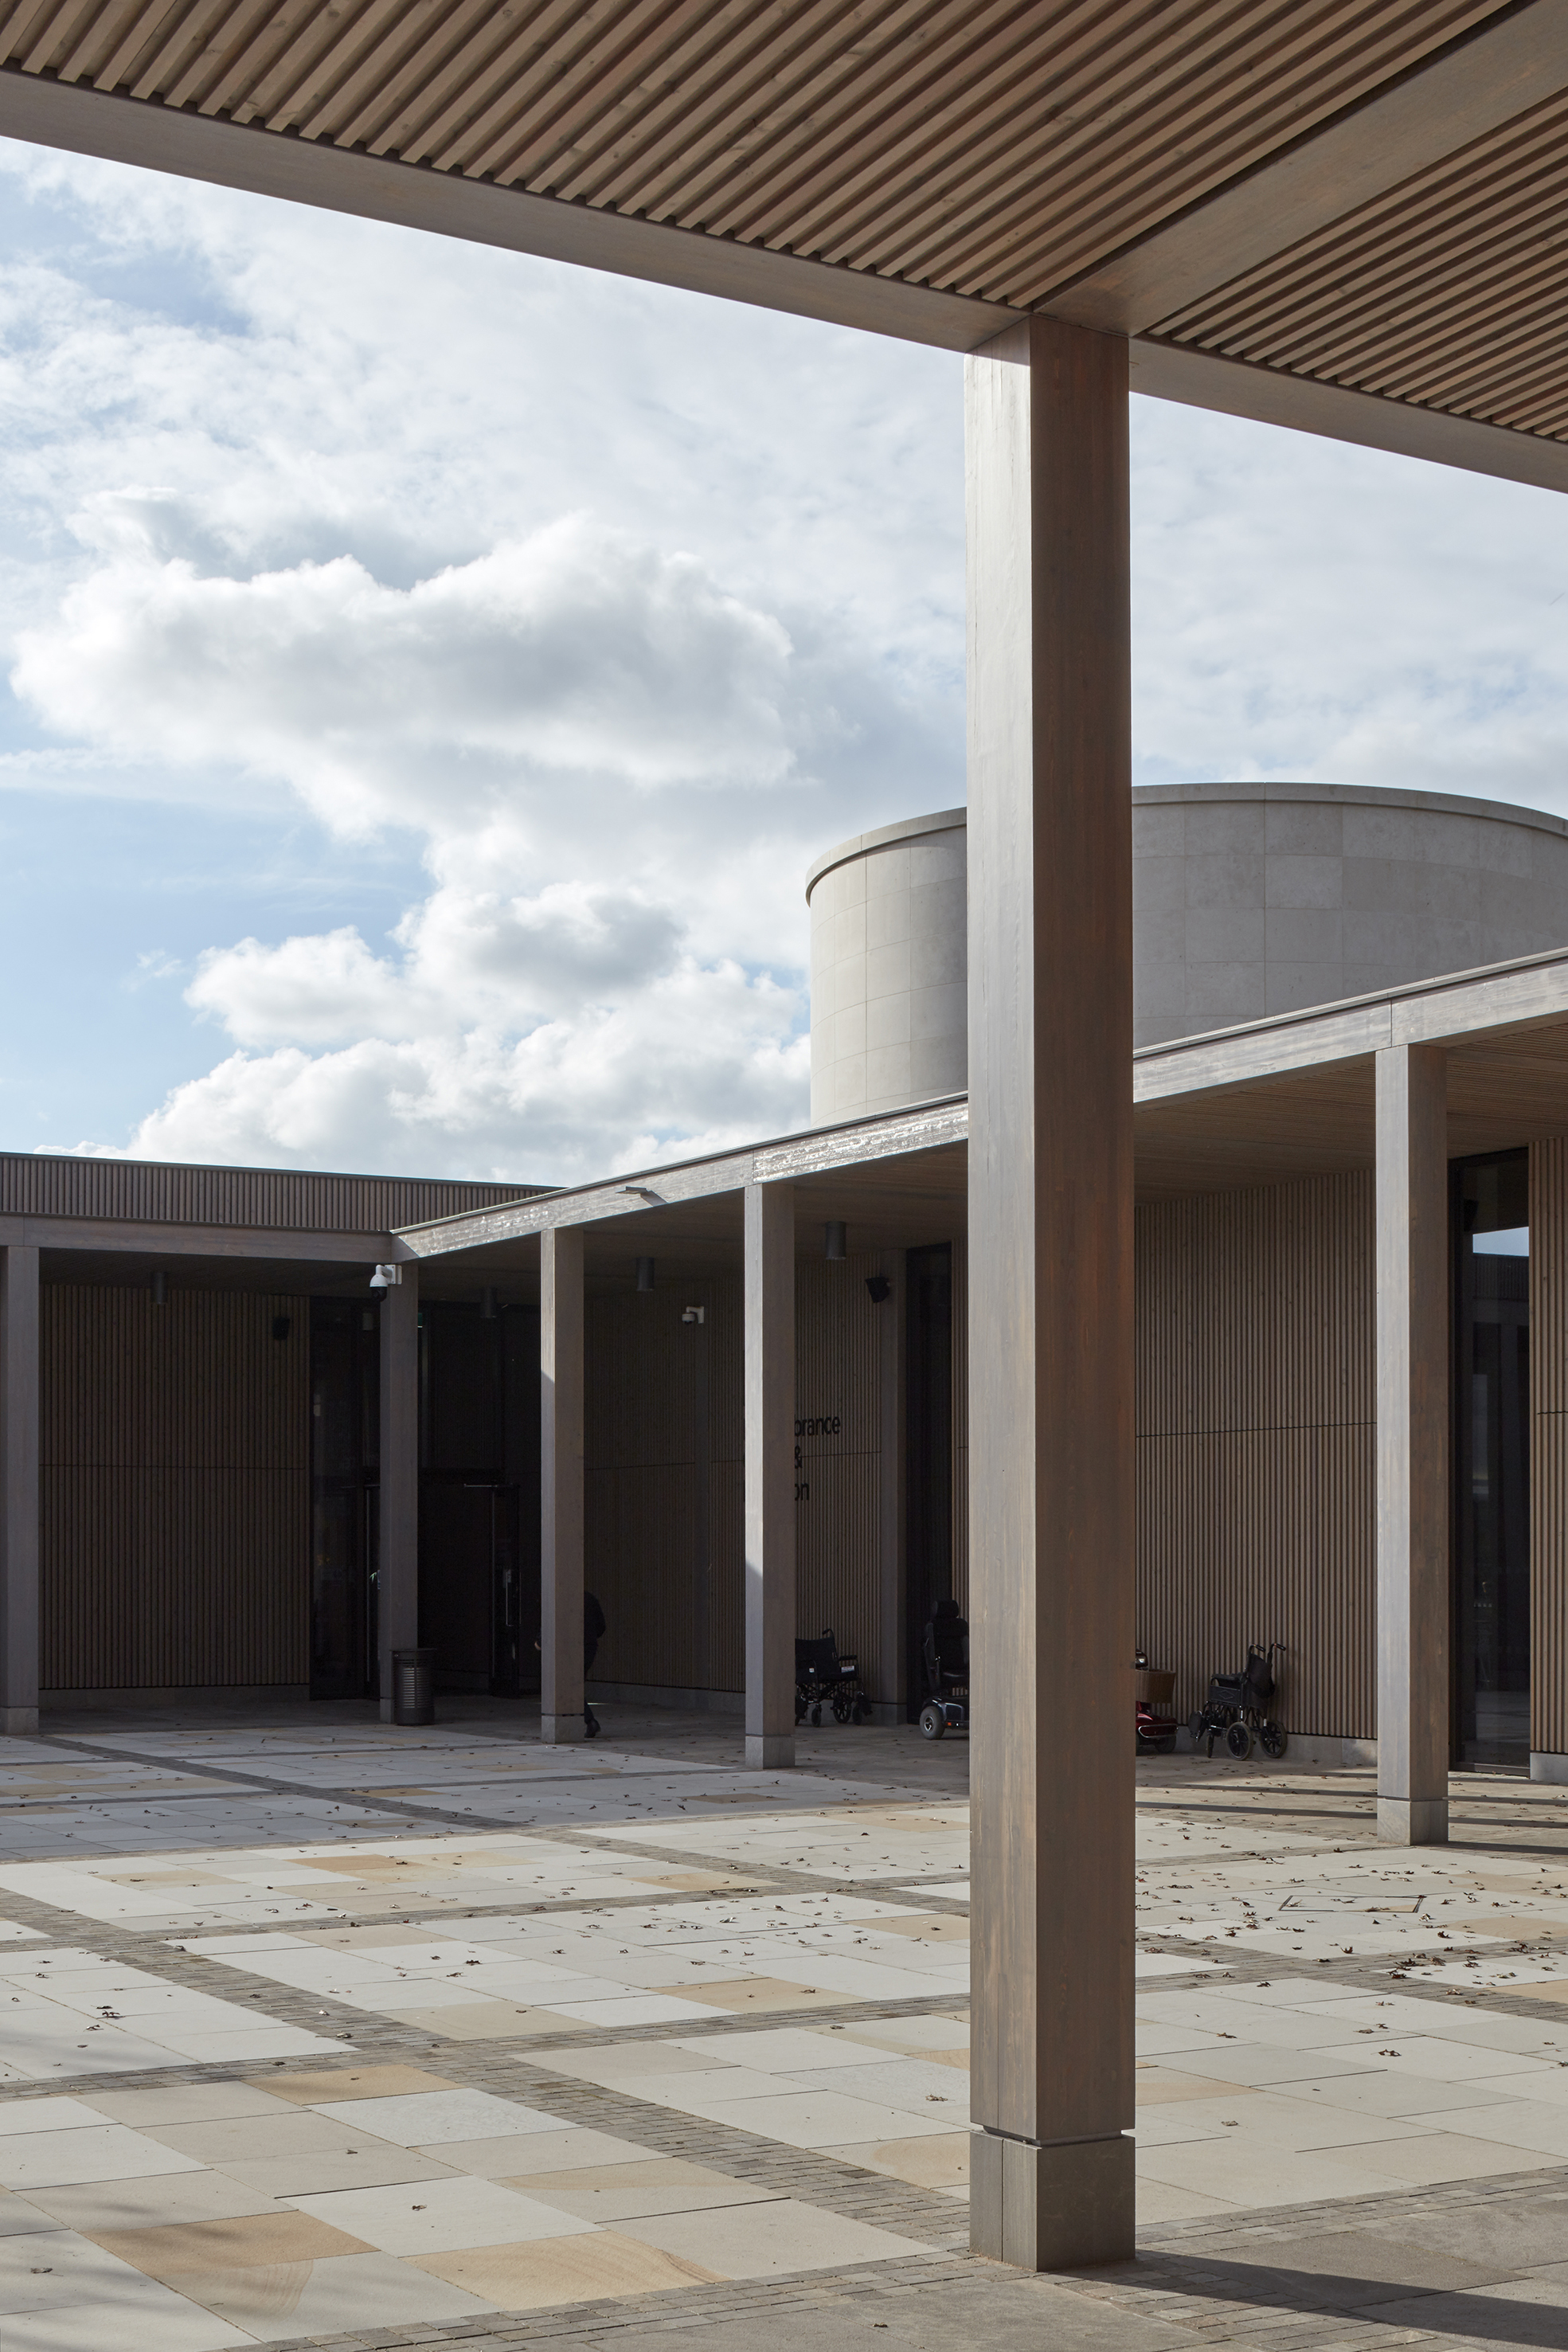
(385, 1277)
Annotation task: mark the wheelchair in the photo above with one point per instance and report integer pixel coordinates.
(946, 1651)
(823, 1678)
(1237, 1709)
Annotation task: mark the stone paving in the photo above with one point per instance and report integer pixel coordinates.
(323, 2032)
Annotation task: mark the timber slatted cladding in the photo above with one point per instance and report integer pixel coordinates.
(146, 1191)
(174, 1489)
(664, 1479)
(1256, 1516)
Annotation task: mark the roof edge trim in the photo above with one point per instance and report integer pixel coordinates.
(883, 836)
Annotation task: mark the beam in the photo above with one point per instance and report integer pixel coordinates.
(87, 121)
(561, 1697)
(1486, 78)
(18, 1489)
(131, 1237)
(1051, 1296)
(397, 1514)
(769, 1356)
(1269, 396)
(822, 1151)
(1413, 1498)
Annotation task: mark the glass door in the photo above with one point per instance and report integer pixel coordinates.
(1492, 1463)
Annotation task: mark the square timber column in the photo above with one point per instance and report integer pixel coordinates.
(18, 1489)
(561, 1699)
(1412, 1499)
(1051, 1296)
(397, 1555)
(770, 1475)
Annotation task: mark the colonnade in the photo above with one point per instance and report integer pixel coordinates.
(1051, 1347)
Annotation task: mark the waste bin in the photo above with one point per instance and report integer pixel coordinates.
(414, 1686)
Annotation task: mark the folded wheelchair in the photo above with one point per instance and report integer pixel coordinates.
(824, 1678)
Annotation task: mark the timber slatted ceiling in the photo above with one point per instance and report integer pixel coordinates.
(1256, 1133)
(1549, 1446)
(174, 1490)
(158, 1192)
(989, 147)
(1255, 1444)
(1448, 292)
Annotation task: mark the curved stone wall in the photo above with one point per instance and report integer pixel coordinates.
(889, 950)
(1248, 899)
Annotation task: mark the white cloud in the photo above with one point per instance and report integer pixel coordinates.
(574, 653)
(618, 605)
(698, 1058)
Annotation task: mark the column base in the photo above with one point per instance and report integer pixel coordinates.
(768, 1750)
(1051, 2209)
(560, 1730)
(1412, 1821)
(18, 1722)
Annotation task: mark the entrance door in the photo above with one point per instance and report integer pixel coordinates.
(478, 1494)
(1492, 1463)
(928, 1450)
(344, 1367)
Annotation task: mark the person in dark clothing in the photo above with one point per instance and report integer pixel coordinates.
(592, 1635)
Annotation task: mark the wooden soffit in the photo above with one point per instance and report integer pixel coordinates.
(1335, 214)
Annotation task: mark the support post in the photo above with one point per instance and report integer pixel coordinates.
(770, 1475)
(1051, 1295)
(18, 1489)
(561, 1698)
(1413, 1498)
(893, 1550)
(397, 1552)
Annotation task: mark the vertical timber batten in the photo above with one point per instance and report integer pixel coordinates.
(18, 1489)
(1050, 1294)
(562, 1319)
(1414, 1504)
(397, 1560)
(769, 1251)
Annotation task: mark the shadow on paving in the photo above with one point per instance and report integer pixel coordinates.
(1440, 2271)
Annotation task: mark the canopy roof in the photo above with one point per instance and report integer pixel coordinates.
(1335, 214)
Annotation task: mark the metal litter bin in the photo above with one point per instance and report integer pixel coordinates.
(414, 1686)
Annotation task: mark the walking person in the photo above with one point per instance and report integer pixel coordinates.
(592, 1635)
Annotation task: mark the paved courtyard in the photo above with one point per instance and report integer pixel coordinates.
(320, 2030)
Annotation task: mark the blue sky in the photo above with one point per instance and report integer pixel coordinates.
(431, 671)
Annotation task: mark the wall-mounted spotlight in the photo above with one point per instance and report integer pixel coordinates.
(159, 1288)
(386, 1278)
(645, 1274)
(490, 1304)
(879, 1288)
(835, 1238)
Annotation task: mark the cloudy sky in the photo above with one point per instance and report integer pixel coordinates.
(430, 672)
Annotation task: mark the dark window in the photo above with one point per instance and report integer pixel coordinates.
(1491, 1667)
(929, 1450)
